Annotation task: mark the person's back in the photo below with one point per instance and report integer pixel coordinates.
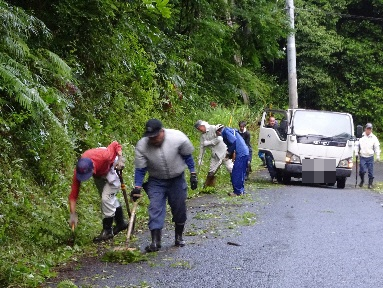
(211, 140)
(236, 144)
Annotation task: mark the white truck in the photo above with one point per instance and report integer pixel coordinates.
(309, 134)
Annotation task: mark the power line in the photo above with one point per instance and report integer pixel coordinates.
(341, 14)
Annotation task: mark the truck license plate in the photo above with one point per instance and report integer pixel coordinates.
(318, 171)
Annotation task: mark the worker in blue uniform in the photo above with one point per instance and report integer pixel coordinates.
(238, 151)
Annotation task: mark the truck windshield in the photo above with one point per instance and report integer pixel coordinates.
(322, 124)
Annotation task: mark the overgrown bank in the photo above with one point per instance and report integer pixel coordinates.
(77, 74)
(35, 231)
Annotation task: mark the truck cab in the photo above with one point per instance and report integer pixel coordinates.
(322, 141)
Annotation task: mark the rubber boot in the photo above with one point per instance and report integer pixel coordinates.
(107, 231)
(361, 180)
(210, 181)
(156, 239)
(179, 230)
(120, 222)
(370, 180)
(248, 170)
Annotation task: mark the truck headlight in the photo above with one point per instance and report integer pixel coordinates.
(346, 163)
(292, 158)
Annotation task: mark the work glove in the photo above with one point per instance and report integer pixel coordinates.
(120, 163)
(73, 219)
(193, 181)
(135, 194)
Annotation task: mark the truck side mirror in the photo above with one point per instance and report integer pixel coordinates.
(359, 131)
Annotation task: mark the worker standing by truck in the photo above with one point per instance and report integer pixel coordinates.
(268, 157)
(246, 136)
(367, 147)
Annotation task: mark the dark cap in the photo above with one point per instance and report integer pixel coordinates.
(369, 125)
(152, 128)
(84, 169)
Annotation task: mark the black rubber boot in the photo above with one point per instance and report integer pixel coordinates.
(156, 239)
(179, 230)
(120, 222)
(370, 180)
(107, 231)
(248, 170)
(361, 180)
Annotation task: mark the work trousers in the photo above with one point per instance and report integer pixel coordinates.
(107, 191)
(261, 155)
(175, 191)
(367, 164)
(270, 165)
(239, 173)
(215, 162)
(250, 154)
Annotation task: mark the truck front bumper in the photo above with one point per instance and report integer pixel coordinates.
(295, 170)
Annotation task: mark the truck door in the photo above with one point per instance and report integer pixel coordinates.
(273, 140)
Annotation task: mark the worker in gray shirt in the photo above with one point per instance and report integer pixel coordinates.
(164, 154)
(209, 139)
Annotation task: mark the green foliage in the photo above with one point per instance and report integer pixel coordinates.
(339, 62)
(66, 284)
(29, 72)
(78, 74)
(124, 256)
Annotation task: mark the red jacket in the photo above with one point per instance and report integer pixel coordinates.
(102, 159)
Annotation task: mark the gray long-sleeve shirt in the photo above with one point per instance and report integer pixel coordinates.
(210, 139)
(165, 161)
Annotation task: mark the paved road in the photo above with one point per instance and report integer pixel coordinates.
(303, 237)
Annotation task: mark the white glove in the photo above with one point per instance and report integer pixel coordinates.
(378, 158)
(199, 162)
(120, 163)
(73, 220)
(206, 143)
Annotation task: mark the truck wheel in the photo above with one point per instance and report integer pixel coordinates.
(340, 183)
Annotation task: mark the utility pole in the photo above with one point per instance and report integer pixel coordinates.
(291, 58)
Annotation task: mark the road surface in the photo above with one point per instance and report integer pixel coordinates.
(280, 236)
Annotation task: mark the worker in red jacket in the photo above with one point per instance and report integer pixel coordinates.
(101, 163)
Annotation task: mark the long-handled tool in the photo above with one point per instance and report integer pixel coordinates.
(131, 213)
(123, 188)
(132, 220)
(356, 171)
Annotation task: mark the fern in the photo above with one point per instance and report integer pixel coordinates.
(25, 71)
